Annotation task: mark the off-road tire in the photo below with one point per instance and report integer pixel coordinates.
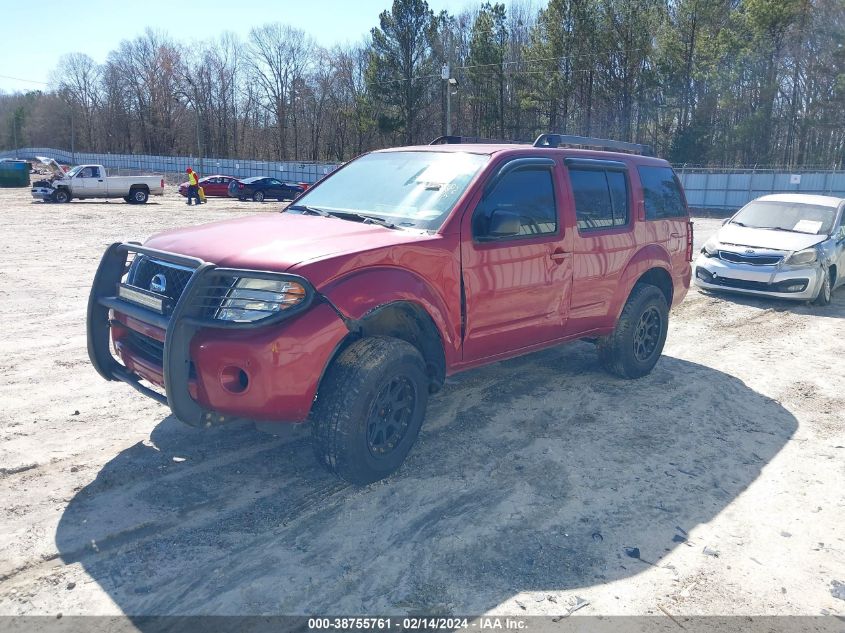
(138, 196)
(344, 411)
(617, 350)
(826, 290)
(258, 196)
(61, 196)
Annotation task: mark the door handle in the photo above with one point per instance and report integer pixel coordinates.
(676, 235)
(559, 256)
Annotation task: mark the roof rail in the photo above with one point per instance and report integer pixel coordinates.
(453, 140)
(556, 140)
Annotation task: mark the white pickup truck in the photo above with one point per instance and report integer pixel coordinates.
(91, 181)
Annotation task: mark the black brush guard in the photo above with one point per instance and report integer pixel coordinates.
(187, 317)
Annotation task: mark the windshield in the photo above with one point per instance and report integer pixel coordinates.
(409, 189)
(797, 217)
(74, 171)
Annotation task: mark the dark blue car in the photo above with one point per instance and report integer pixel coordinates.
(260, 188)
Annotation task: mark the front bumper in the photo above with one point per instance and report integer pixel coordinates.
(781, 282)
(42, 193)
(193, 358)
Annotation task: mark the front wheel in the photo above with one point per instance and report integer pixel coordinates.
(636, 343)
(369, 409)
(258, 196)
(61, 196)
(826, 291)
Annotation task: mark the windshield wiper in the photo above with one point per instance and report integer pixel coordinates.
(311, 210)
(739, 223)
(374, 219)
(346, 215)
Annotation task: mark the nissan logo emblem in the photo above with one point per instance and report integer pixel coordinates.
(158, 283)
(749, 252)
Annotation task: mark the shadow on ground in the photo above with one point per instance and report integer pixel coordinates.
(836, 308)
(531, 474)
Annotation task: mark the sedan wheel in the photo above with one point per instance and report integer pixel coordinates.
(258, 196)
(826, 291)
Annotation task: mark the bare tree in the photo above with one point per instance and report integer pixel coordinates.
(279, 56)
(78, 79)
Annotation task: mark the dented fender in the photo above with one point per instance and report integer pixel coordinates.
(361, 293)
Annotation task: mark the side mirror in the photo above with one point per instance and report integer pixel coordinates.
(503, 224)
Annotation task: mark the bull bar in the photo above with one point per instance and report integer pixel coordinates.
(185, 319)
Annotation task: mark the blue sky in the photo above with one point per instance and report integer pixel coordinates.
(35, 36)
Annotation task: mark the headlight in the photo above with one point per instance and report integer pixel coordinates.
(710, 248)
(256, 299)
(799, 258)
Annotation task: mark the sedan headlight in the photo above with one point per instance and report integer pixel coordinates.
(710, 248)
(253, 299)
(799, 258)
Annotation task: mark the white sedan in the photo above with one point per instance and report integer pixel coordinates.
(789, 246)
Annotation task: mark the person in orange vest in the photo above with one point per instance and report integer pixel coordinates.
(193, 186)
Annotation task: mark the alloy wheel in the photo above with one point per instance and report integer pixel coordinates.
(647, 334)
(390, 415)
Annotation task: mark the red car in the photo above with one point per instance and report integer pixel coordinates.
(214, 186)
(404, 266)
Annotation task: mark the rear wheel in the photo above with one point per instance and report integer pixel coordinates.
(636, 343)
(826, 291)
(258, 196)
(138, 196)
(369, 409)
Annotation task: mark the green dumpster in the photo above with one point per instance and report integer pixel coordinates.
(14, 173)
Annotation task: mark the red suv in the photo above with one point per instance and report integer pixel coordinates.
(406, 265)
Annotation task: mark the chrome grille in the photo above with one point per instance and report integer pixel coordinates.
(145, 270)
(754, 260)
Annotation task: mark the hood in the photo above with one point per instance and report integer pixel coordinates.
(766, 238)
(277, 241)
(54, 167)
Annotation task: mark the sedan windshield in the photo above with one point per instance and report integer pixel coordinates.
(409, 189)
(796, 217)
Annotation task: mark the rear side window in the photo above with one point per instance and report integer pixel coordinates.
(601, 198)
(662, 193)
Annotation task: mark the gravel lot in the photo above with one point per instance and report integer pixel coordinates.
(725, 468)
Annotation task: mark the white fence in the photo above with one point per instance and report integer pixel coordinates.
(292, 171)
(731, 188)
(722, 189)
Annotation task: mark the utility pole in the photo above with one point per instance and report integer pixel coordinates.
(444, 100)
(449, 83)
(451, 89)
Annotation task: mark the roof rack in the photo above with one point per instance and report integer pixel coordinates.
(453, 140)
(556, 140)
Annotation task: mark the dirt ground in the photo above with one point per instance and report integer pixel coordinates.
(531, 484)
